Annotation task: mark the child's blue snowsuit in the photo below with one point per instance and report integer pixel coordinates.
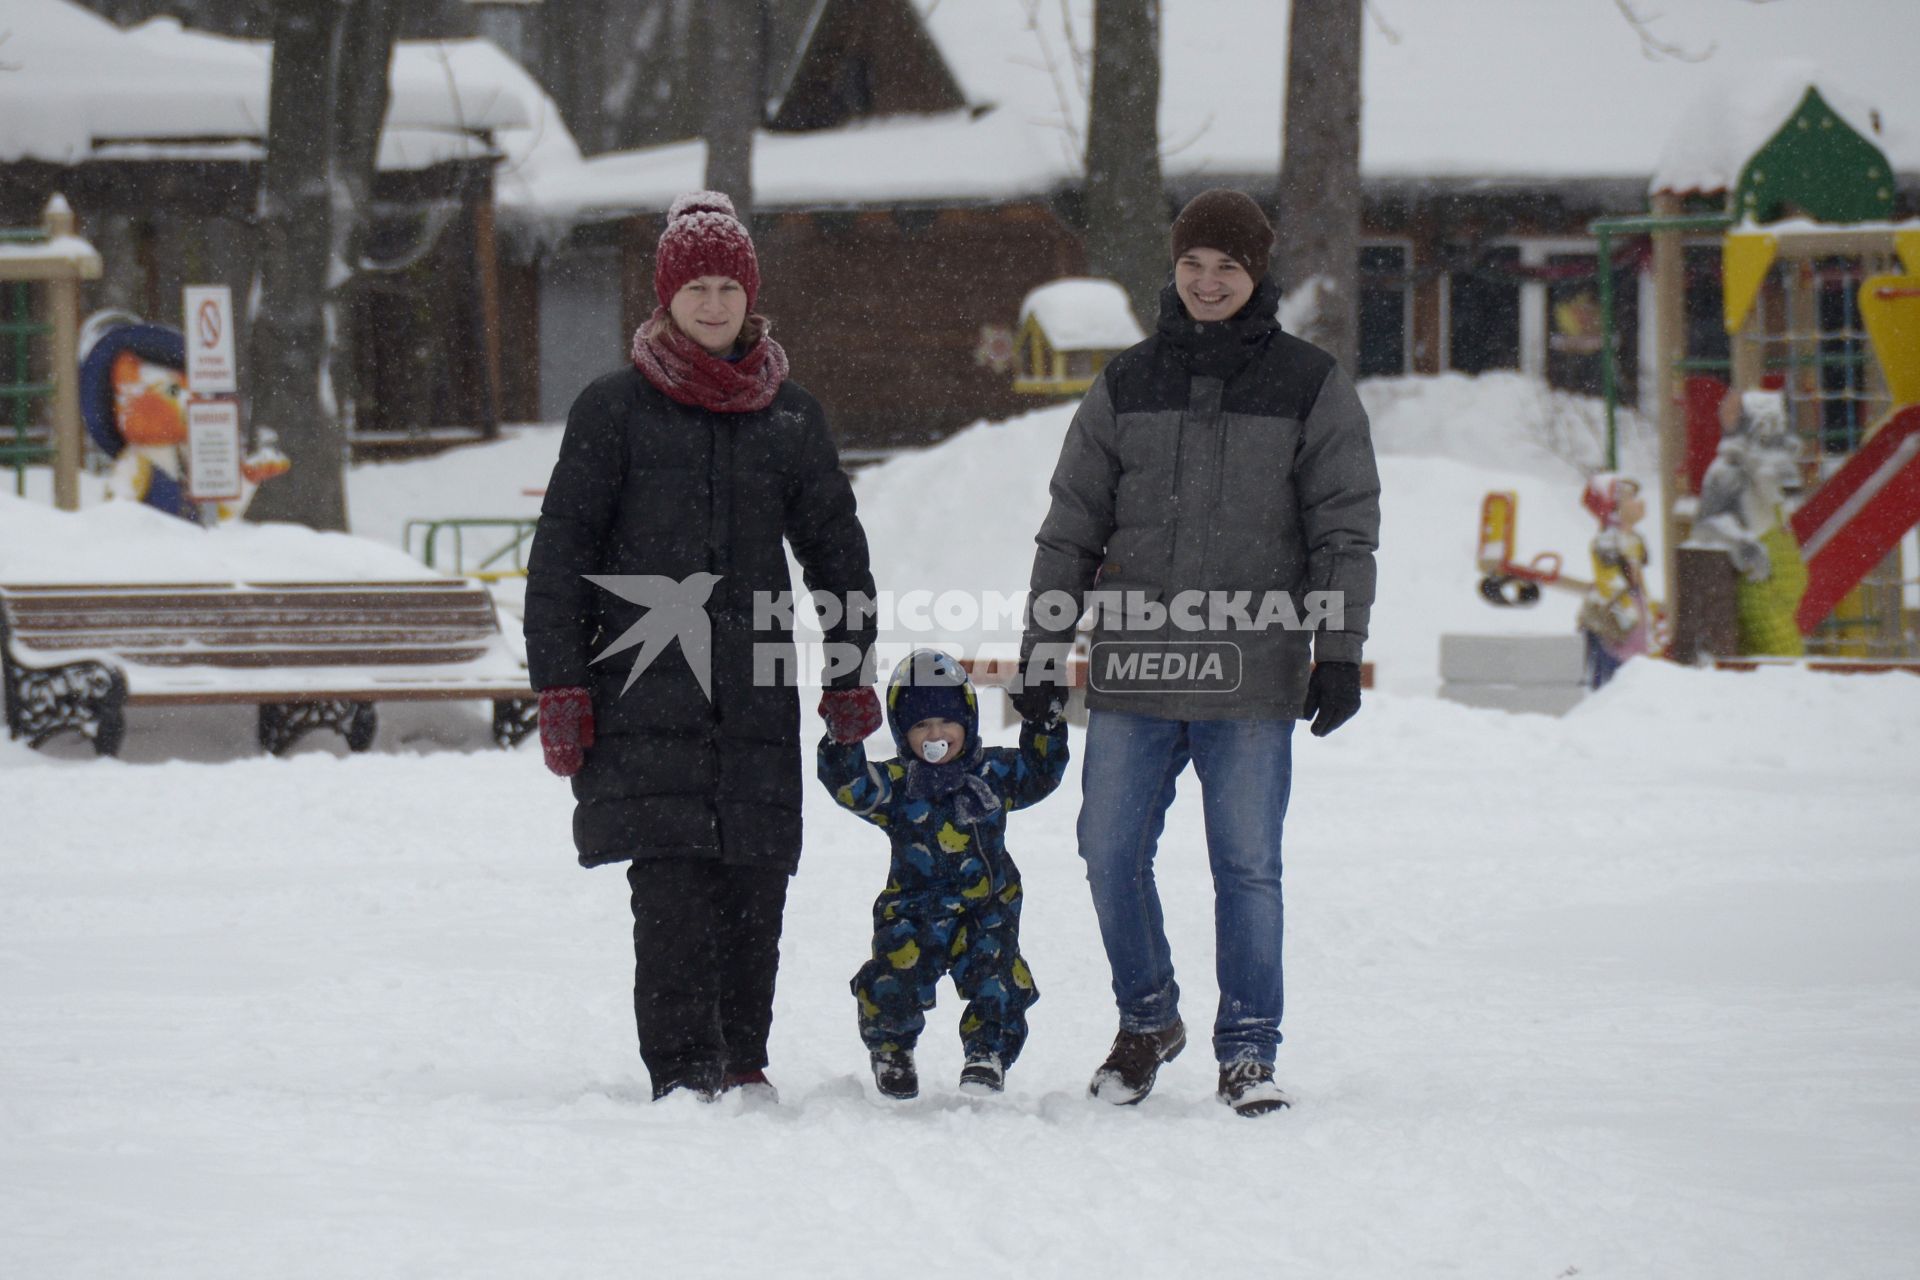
(952, 901)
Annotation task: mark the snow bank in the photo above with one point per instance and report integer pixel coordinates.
(131, 542)
(504, 478)
(1626, 994)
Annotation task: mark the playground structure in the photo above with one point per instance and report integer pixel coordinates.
(54, 258)
(1821, 301)
(1504, 580)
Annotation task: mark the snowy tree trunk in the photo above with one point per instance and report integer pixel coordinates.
(360, 108)
(329, 94)
(625, 73)
(736, 96)
(1319, 229)
(573, 67)
(1126, 205)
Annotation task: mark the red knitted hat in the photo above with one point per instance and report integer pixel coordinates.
(704, 237)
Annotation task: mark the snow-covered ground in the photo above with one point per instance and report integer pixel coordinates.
(1630, 993)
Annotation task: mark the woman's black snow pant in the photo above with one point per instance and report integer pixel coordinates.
(706, 948)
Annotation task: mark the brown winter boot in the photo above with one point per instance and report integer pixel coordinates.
(1127, 1074)
(1247, 1086)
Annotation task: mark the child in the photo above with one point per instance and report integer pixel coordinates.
(952, 901)
(1615, 615)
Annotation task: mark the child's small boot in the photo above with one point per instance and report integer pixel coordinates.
(984, 1074)
(894, 1073)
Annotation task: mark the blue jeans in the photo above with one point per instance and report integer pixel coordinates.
(1127, 782)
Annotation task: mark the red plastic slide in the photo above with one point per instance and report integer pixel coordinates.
(1856, 518)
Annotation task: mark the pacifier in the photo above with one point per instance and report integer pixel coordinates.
(934, 750)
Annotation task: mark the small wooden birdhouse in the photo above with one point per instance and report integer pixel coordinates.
(1069, 329)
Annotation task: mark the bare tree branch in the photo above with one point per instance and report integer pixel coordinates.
(1652, 47)
(1051, 66)
(1389, 32)
(1080, 59)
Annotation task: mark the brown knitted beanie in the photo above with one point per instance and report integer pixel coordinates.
(1228, 221)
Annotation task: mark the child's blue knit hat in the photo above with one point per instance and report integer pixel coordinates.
(930, 685)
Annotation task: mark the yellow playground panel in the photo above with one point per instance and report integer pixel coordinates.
(1890, 306)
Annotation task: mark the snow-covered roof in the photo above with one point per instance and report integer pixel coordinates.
(1454, 89)
(1470, 88)
(74, 87)
(902, 159)
(534, 143)
(1080, 313)
(1732, 117)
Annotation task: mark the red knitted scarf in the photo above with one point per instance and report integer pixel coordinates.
(684, 371)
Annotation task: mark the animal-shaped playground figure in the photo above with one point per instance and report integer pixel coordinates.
(1617, 617)
(133, 397)
(1742, 511)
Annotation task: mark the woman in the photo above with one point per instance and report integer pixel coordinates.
(677, 480)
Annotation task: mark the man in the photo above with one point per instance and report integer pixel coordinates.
(1217, 493)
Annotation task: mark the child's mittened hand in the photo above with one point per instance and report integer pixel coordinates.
(1040, 702)
(851, 714)
(566, 728)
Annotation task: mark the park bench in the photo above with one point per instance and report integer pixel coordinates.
(308, 655)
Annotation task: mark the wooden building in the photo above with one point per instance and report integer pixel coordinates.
(154, 134)
(919, 174)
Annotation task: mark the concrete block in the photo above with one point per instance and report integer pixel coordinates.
(1514, 660)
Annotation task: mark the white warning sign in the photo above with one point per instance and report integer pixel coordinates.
(210, 365)
(213, 450)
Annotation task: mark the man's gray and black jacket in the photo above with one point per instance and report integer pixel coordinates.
(1220, 458)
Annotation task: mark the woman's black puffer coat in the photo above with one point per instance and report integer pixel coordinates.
(648, 486)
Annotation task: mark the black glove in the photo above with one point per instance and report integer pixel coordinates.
(1333, 696)
(1039, 700)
